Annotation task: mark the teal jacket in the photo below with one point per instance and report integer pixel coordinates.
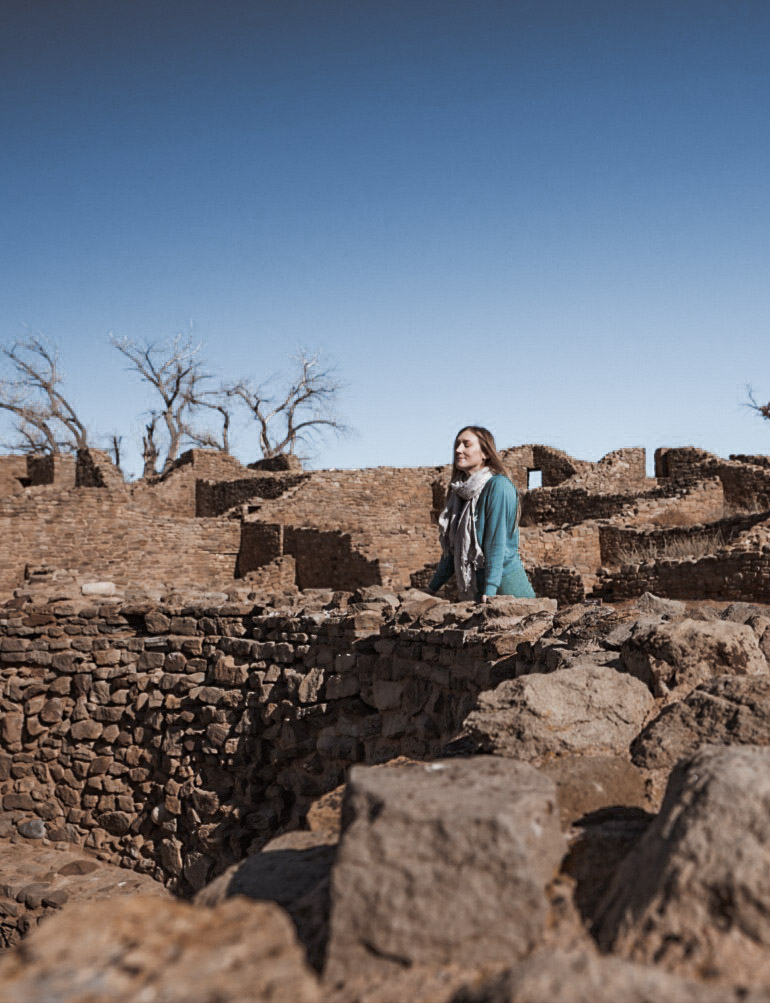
(497, 534)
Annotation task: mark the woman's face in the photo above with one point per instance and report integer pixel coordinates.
(468, 454)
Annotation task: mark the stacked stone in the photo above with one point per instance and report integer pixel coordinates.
(172, 738)
(737, 575)
(102, 531)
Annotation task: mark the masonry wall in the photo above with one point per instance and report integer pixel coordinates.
(174, 493)
(382, 518)
(99, 531)
(213, 498)
(13, 470)
(170, 739)
(576, 546)
(746, 485)
(739, 575)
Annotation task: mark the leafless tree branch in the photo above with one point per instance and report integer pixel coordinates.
(304, 410)
(176, 372)
(46, 421)
(761, 409)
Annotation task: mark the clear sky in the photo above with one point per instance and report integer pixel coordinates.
(551, 217)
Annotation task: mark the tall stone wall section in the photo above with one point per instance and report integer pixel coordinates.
(382, 515)
(170, 739)
(101, 532)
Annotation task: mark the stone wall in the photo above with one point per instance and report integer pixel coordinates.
(576, 546)
(99, 531)
(174, 493)
(13, 473)
(616, 541)
(746, 484)
(674, 500)
(738, 575)
(373, 526)
(170, 739)
(213, 498)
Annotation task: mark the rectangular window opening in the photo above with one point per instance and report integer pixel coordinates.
(534, 479)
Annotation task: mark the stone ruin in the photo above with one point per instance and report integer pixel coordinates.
(697, 529)
(244, 756)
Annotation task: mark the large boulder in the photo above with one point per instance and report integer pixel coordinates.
(672, 658)
(160, 951)
(693, 895)
(584, 976)
(588, 710)
(442, 862)
(727, 710)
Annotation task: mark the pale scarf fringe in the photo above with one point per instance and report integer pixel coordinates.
(457, 531)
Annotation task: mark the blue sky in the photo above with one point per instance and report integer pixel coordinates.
(548, 217)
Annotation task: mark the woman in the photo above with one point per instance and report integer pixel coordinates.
(479, 527)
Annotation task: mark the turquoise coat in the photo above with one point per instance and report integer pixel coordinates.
(498, 536)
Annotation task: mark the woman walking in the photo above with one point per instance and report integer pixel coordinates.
(479, 527)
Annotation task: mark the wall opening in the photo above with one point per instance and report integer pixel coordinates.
(534, 479)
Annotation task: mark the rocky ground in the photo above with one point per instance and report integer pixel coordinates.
(599, 831)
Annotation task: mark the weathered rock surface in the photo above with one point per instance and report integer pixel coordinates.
(293, 871)
(598, 843)
(727, 710)
(587, 784)
(672, 658)
(37, 880)
(443, 862)
(672, 609)
(583, 976)
(591, 710)
(702, 906)
(160, 951)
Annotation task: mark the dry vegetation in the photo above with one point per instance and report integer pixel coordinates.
(675, 548)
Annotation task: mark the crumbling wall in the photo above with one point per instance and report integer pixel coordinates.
(94, 469)
(174, 493)
(213, 498)
(170, 739)
(746, 485)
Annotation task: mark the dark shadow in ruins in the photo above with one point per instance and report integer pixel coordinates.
(295, 879)
(326, 559)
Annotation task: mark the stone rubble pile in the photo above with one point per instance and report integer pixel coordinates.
(572, 805)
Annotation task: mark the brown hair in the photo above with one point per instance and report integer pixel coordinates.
(488, 448)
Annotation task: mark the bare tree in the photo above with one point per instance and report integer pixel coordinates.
(45, 420)
(176, 372)
(150, 452)
(761, 409)
(213, 400)
(304, 410)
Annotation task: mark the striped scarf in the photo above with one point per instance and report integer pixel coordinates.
(457, 530)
